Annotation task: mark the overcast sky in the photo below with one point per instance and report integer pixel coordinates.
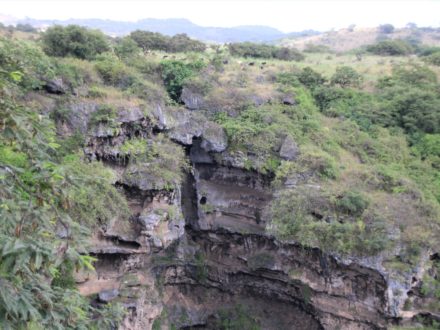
(287, 15)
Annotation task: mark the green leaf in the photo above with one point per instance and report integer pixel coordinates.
(16, 76)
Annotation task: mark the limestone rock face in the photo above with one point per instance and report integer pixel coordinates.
(214, 138)
(190, 126)
(199, 249)
(192, 100)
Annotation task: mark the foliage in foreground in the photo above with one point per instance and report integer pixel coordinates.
(41, 230)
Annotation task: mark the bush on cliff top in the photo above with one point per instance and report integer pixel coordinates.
(75, 41)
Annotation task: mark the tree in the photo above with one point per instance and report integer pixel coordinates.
(25, 28)
(250, 49)
(415, 75)
(150, 40)
(414, 109)
(74, 40)
(42, 240)
(391, 47)
(386, 28)
(346, 76)
(126, 47)
(183, 43)
(310, 78)
(174, 75)
(287, 54)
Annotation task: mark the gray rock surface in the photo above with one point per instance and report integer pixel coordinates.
(192, 100)
(288, 100)
(289, 149)
(190, 125)
(214, 138)
(108, 295)
(56, 86)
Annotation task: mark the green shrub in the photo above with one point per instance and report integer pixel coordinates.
(157, 41)
(288, 79)
(74, 40)
(325, 96)
(414, 74)
(64, 277)
(96, 92)
(429, 145)
(287, 54)
(95, 201)
(176, 73)
(346, 76)
(158, 159)
(134, 148)
(318, 162)
(114, 72)
(27, 63)
(70, 74)
(391, 47)
(353, 203)
(46, 200)
(307, 216)
(182, 43)
(104, 114)
(433, 59)
(414, 109)
(310, 78)
(428, 50)
(150, 40)
(249, 49)
(126, 48)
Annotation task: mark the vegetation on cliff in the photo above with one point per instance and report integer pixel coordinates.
(351, 150)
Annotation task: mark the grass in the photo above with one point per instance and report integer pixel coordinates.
(372, 67)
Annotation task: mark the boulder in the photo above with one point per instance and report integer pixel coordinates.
(288, 100)
(192, 100)
(184, 126)
(130, 114)
(190, 125)
(55, 86)
(214, 138)
(289, 149)
(185, 132)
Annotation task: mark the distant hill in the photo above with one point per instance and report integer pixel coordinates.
(255, 33)
(346, 39)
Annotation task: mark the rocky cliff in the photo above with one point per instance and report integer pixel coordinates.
(196, 252)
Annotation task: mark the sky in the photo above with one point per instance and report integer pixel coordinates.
(286, 15)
